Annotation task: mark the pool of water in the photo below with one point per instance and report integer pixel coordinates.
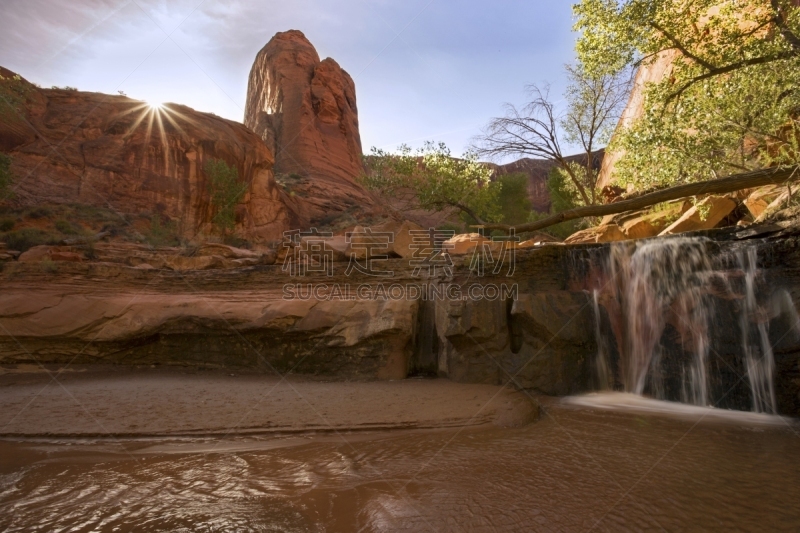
(582, 467)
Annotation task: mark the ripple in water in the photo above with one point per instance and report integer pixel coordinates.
(575, 470)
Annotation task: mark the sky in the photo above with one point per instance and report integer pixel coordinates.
(424, 69)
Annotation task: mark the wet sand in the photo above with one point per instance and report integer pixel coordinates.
(145, 402)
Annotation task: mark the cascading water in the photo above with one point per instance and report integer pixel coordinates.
(668, 298)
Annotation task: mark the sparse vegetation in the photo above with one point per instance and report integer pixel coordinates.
(7, 224)
(431, 178)
(226, 191)
(65, 227)
(13, 93)
(162, 233)
(26, 238)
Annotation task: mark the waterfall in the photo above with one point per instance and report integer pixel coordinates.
(670, 299)
(601, 359)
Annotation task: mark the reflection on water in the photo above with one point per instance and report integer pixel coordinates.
(575, 470)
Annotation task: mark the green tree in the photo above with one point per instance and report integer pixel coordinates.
(6, 178)
(563, 197)
(226, 191)
(730, 100)
(515, 204)
(431, 178)
(541, 130)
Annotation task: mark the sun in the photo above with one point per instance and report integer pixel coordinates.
(155, 106)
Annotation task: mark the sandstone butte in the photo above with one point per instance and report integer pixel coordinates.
(305, 111)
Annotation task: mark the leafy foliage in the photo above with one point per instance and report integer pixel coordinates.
(225, 191)
(563, 197)
(430, 178)
(515, 205)
(730, 100)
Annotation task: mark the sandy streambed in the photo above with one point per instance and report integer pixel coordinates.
(97, 401)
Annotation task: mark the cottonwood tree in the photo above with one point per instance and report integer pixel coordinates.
(539, 129)
(730, 100)
(431, 178)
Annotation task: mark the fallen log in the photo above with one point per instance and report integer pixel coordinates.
(736, 182)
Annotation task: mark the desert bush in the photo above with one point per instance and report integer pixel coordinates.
(26, 238)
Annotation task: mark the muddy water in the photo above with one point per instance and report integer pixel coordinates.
(577, 469)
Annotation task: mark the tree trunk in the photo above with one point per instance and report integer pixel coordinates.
(757, 178)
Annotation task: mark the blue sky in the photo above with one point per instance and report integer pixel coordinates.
(424, 70)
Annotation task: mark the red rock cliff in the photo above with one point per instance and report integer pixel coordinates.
(111, 151)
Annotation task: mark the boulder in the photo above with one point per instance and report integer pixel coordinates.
(464, 243)
(36, 254)
(758, 200)
(72, 257)
(705, 215)
(607, 233)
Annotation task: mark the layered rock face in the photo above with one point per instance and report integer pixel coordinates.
(544, 334)
(305, 110)
(113, 152)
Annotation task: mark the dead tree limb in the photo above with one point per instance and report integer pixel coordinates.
(757, 178)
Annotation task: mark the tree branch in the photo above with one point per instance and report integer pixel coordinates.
(682, 49)
(758, 178)
(730, 68)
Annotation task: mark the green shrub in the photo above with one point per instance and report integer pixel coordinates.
(26, 238)
(51, 267)
(6, 224)
(65, 227)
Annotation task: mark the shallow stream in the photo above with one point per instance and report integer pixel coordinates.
(601, 463)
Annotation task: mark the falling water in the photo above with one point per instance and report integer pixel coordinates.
(601, 359)
(668, 289)
(664, 281)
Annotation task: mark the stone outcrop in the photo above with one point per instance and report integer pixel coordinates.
(705, 215)
(72, 147)
(305, 110)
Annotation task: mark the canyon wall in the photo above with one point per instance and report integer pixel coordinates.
(75, 147)
(652, 72)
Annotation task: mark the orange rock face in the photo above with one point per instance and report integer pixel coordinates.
(113, 152)
(305, 110)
